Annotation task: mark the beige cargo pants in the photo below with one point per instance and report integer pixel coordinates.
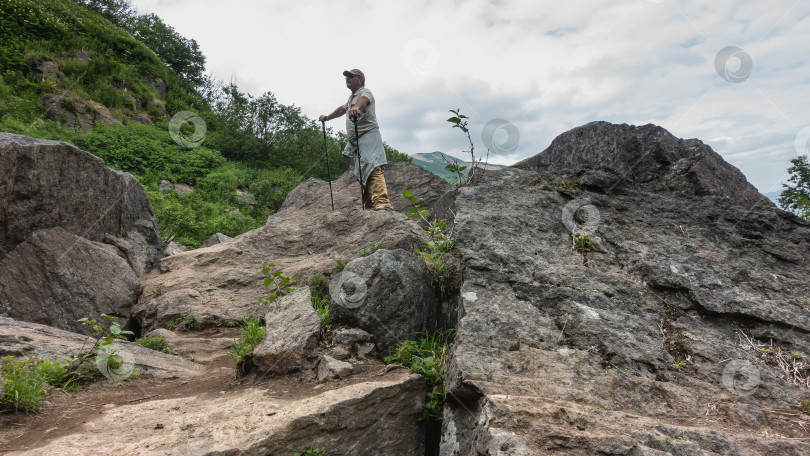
(375, 193)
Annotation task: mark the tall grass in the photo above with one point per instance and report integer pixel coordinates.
(252, 334)
(319, 289)
(25, 382)
(427, 355)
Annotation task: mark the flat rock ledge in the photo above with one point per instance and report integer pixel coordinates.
(21, 338)
(369, 418)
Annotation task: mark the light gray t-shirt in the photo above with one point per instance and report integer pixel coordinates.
(366, 119)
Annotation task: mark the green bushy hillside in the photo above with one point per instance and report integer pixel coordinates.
(85, 58)
(69, 71)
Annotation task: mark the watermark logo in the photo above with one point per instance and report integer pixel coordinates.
(802, 142)
(741, 377)
(115, 363)
(420, 56)
(351, 290)
(724, 63)
(187, 140)
(580, 216)
(500, 136)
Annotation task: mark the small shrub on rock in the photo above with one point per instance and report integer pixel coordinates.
(438, 251)
(157, 343)
(278, 283)
(428, 357)
(312, 452)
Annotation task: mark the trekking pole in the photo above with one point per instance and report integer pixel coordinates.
(326, 149)
(359, 164)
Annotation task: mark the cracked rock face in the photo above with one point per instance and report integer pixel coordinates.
(650, 342)
(75, 236)
(46, 184)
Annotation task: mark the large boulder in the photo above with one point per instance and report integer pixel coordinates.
(389, 293)
(49, 184)
(75, 236)
(293, 332)
(55, 278)
(665, 337)
(224, 281)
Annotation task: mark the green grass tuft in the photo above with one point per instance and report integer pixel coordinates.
(252, 334)
(427, 356)
(157, 343)
(25, 382)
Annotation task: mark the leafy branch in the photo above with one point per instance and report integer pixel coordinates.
(104, 342)
(277, 281)
(459, 121)
(437, 252)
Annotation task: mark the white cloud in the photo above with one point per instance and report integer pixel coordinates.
(544, 66)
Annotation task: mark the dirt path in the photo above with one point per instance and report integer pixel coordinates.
(66, 413)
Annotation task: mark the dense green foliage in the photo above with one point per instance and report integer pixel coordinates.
(254, 152)
(25, 382)
(181, 54)
(796, 197)
(97, 60)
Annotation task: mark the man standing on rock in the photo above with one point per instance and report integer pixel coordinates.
(360, 106)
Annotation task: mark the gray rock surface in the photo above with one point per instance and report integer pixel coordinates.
(77, 114)
(183, 189)
(165, 186)
(340, 352)
(45, 68)
(293, 332)
(175, 248)
(389, 293)
(365, 349)
(21, 338)
(612, 158)
(49, 184)
(216, 238)
(55, 278)
(245, 197)
(330, 368)
(203, 349)
(224, 282)
(349, 336)
(564, 352)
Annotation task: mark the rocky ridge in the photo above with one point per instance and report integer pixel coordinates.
(654, 342)
(302, 390)
(665, 336)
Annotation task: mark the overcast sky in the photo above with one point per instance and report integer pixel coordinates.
(735, 74)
